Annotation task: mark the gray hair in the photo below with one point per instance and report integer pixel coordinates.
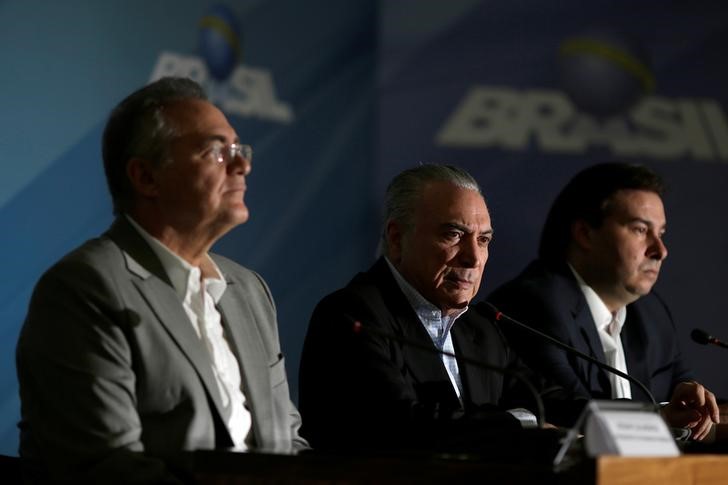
(405, 190)
(137, 127)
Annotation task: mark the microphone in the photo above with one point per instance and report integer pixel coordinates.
(359, 328)
(704, 338)
(500, 316)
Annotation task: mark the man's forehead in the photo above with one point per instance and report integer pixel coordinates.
(445, 193)
(446, 200)
(198, 118)
(475, 219)
(637, 204)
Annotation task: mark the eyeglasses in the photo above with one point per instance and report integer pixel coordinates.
(226, 153)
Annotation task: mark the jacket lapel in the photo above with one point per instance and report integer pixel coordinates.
(589, 342)
(634, 342)
(464, 340)
(425, 366)
(250, 351)
(154, 286)
(587, 330)
(585, 336)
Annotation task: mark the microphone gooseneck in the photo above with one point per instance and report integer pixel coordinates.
(360, 328)
(500, 316)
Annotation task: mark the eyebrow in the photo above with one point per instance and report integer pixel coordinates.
(220, 138)
(465, 229)
(646, 222)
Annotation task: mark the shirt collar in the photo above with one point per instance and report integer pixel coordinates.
(599, 311)
(426, 311)
(183, 276)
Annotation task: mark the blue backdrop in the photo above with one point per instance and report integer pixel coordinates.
(482, 84)
(336, 97)
(302, 94)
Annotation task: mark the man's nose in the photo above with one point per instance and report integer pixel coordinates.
(240, 164)
(657, 249)
(472, 254)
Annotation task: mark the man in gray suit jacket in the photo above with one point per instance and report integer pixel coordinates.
(140, 344)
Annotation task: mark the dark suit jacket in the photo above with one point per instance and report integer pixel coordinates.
(109, 364)
(364, 389)
(551, 301)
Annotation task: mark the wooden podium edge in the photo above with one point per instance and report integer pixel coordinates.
(686, 469)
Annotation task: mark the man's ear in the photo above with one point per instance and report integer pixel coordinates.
(581, 234)
(393, 235)
(141, 176)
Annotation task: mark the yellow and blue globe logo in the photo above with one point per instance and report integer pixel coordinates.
(220, 41)
(605, 72)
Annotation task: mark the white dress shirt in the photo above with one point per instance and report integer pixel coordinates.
(199, 297)
(438, 327)
(609, 327)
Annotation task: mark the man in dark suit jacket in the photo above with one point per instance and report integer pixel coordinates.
(140, 344)
(385, 386)
(600, 254)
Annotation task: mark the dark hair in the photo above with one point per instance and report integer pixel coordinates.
(137, 128)
(586, 197)
(405, 189)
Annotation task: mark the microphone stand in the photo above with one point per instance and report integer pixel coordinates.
(500, 316)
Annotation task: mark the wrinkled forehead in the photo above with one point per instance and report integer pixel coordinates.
(444, 201)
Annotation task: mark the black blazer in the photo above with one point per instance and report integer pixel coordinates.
(551, 300)
(365, 389)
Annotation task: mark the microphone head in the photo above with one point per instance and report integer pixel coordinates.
(701, 336)
(490, 310)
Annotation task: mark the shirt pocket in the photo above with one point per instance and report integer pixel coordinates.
(277, 371)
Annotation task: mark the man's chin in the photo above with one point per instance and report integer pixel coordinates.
(456, 304)
(230, 219)
(240, 214)
(638, 291)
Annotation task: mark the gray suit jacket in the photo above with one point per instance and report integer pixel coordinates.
(109, 364)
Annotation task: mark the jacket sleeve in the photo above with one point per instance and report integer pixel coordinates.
(77, 385)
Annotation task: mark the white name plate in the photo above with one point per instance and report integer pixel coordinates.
(628, 433)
